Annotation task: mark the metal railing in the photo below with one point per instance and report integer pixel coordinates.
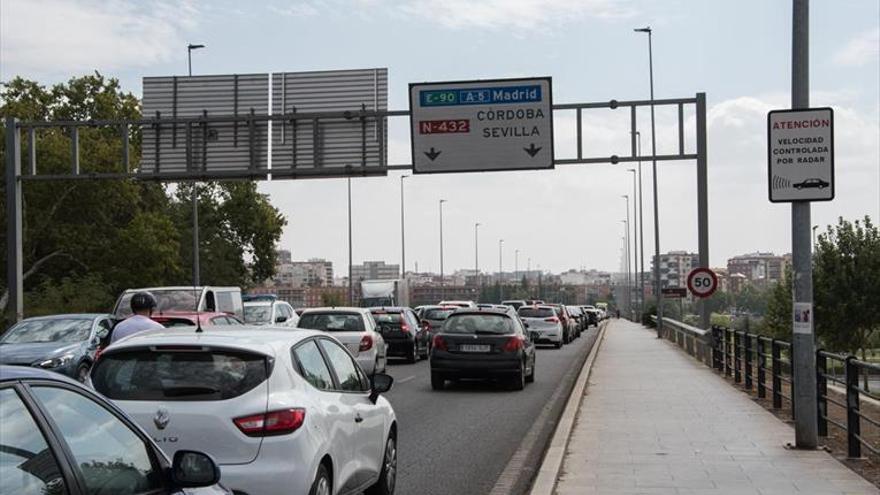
(763, 365)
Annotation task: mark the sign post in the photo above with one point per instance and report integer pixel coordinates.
(478, 126)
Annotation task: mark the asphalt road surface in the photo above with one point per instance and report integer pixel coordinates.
(459, 441)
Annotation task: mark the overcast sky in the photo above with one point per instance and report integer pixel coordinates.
(736, 52)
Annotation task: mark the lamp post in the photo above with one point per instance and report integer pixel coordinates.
(500, 272)
(441, 241)
(350, 281)
(477, 252)
(516, 267)
(195, 189)
(635, 240)
(402, 232)
(657, 295)
(627, 253)
(641, 230)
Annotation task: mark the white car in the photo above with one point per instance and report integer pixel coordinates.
(269, 311)
(281, 412)
(356, 329)
(543, 324)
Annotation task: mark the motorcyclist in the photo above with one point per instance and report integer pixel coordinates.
(142, 305)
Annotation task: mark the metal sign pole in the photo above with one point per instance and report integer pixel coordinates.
(14, 240)
(803, 345)
(702, 200)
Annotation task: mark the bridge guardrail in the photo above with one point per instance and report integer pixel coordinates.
(764, 364)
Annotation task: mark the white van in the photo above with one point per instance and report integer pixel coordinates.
(185, 299)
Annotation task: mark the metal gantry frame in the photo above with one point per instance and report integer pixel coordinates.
(198, 170)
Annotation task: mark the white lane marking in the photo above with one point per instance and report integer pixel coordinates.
(404, 380)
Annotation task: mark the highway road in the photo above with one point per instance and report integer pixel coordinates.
(463, 440)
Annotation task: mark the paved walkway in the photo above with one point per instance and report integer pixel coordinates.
(655, 421)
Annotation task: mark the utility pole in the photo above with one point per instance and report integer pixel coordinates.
(806, 425)
(196, 272)
(350, 281)
(516, 267)
(402, 232)
(477, 252)
(500, 272)
(441, 241)
(635, 240)
(641, 232)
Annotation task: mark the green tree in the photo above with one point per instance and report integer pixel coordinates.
(846, 285)
(777, 319)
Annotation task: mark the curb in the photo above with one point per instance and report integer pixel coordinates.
(548, 473)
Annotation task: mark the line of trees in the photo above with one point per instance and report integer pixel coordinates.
(85, 241)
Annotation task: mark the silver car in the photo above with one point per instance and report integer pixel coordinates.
(356, 329)
(544, 325)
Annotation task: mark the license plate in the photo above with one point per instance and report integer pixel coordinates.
(473, 348)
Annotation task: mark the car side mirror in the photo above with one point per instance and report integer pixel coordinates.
(280, 319)
(379, 384)
(192, 469)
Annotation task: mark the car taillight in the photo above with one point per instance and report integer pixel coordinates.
(552, 319)
(404, 328)
(513, 344)
(440, 343)
(272, 423)
(366, 343)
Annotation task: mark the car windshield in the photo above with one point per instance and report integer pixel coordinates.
(526, 312)
(48, 330)
(178, 375)
(332, 322)
(438, 314)
(387, 319)
(256, 314)
(478, 323)
(166, 300)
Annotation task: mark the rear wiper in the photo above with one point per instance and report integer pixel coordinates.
(189, 390)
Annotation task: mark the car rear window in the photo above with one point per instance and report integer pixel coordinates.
(332, 322)
(478, 324)
(438, 314)
(525, 312)
(387, 319)
(183, 374)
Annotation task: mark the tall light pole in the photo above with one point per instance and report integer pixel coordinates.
(629, 277)
(516, 266)
(635, 240)
(641, 230)
(803, 344)
(500, 272)
(657, 295)
(441, 241)
(350, 281)
(195, 189)
(402, 232)
(477, 252)
(624, 300)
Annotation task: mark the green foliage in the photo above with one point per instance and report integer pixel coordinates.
(777, 319)
(109, 235)
(332, 299)
(846, 285)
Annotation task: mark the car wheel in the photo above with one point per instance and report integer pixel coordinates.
(413, 353)
(388, 476)
(531, 376)
(519, 382)
(82, 372)
(322, 484)
(437, 381)
(558, 345)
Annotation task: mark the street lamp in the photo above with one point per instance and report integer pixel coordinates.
(635, 239)
(441, 241)
(500, 272)
(402, 233)
(628, 297)
(477, 252)
(516, 266)
(195, 189)
(350, 281)
(654, 168)
(641, 235)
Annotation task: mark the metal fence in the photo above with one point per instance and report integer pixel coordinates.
(763, 365)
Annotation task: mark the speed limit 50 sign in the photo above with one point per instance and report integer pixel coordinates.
(702, 282)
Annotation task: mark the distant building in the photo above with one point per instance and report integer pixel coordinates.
(674, 267)
(375, 270)
(283, 257)
(312, 273)
(758, 268)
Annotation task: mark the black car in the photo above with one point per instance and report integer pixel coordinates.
(58, 437)
(483, 343)
(66, 344)
(434, 316)
(404, 334)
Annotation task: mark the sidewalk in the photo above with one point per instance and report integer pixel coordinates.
(655, 421)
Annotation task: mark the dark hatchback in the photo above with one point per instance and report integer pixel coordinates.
(67, 344)
(483, 343)
(404, 334)
(57, 437)
(435, 316)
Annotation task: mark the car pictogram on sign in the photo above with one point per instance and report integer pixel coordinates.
(813, 183)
